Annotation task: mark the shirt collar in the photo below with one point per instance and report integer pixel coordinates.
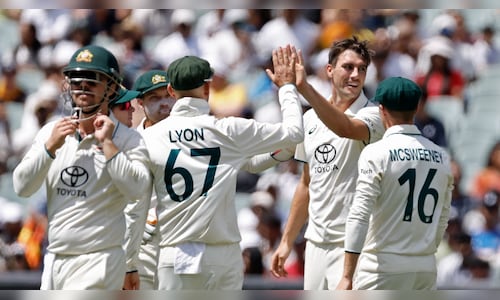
(190, 107)
(358, 104)
(402, 129)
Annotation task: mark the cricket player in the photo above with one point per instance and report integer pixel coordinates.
(90, 165)
(402, 202)
(336, 130)
(156, 103)
(195, 159)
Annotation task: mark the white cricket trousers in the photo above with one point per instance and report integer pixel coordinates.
(388, 271)
(102, 270)
(323, 266)
(147, 265)
(395, 281)
(221, 269)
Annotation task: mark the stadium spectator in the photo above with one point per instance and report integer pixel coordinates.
(252, 260)
(41, 107)
(261, 202)
(486, 241)
(429, 126)
(462, 202)
(441, 78)
(5, 138)
(227, 99)
(10, 90)
(183, 37)
(12, 253)
(450, 269)
(488, 178)
(486, 51)
(290, 26)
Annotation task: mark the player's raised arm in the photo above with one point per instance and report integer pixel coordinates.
(331, 111)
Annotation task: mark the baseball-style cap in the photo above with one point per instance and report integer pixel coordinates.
(398, 93)
(491, 199)
(262, 198)
(126, 96)
(189, 72)
(151, 80)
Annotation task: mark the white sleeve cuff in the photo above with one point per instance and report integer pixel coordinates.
(355, 235)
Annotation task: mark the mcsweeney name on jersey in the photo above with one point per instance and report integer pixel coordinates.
(186, 135)
(402, 154)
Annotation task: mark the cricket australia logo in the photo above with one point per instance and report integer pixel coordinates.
(157, 78)
(84, 56)
(74, 176)
(325, 153)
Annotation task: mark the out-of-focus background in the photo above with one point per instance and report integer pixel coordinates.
(453, 54)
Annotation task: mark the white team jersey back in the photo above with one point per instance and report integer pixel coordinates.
(195, 160)
(410, 179)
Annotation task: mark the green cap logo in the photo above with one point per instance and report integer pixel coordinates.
(84, 56)
(158, 78)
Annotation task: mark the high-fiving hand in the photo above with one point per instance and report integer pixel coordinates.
(288, 64)
(283, 65)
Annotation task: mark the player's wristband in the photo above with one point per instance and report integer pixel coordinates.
(134, 271)
(112, 157)
(48, 152)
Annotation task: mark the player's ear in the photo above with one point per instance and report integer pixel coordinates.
(171, 91)
(329, 70)
(206, 89)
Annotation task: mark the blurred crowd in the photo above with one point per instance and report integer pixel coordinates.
(444, 56)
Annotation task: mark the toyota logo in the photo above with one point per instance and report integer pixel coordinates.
(325, 153)
(74, 176)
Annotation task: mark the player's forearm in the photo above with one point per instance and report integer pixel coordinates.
(298, 214)
(350, 263)
(330, 115)
(130, 173)
(109, 149)
(260, 163)
(291, 112)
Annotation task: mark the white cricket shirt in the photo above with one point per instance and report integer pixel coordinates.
(402, 202)
(195, 160)
(86, 195)
(332, 162)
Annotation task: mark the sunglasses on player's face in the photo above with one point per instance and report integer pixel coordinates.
(125, 106)
(77, 78)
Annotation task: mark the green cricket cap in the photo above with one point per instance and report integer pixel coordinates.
(398, 93)
(189, 72)
(150, 80)
(125, 95)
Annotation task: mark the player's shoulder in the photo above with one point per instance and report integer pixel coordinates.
(309, 115)
(368, 110)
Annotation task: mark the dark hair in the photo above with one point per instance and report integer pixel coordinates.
(360, 47)
(255, 265)
(495, 148)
